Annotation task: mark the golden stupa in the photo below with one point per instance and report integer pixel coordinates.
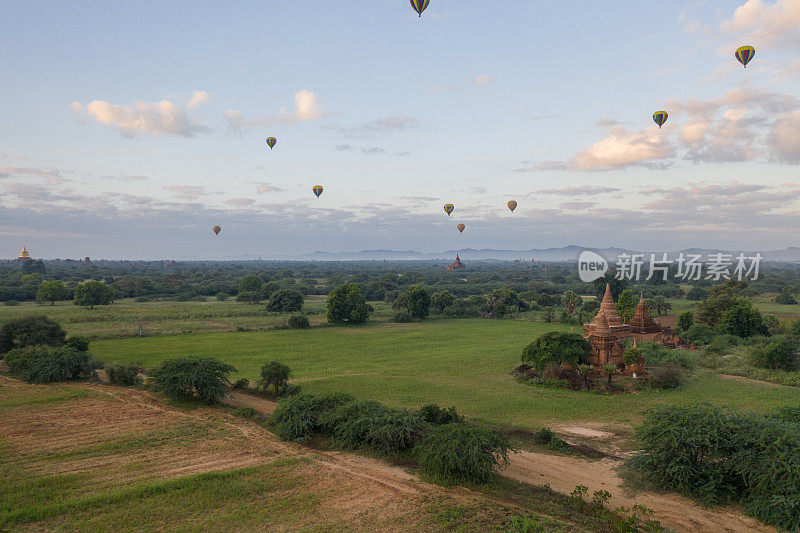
(24, 255)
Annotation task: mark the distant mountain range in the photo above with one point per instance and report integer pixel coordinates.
(566, 253)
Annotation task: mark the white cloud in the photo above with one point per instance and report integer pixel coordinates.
(127, 177)
(379, 127)
(483, 80)
(621, 149)
(784, 138)
(140, 118)
(187, 192)
(766, 24)
(307, 107)
(198, 98)
(265, 188)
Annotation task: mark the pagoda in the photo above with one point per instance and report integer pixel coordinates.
(457, 265)
(24, 256)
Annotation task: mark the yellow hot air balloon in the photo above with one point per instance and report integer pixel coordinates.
(512, 205)
(271, 142)
(461, 228)
(216, 230)
(448, 208)
(744, 54)
(317, 190)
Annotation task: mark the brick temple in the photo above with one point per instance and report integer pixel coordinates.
(607, 331)
(457, 265)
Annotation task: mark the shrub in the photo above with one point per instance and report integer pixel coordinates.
(543, 436)
(76, 342)
(297, 417)
(127, 375)
(657, 355)
(666, 377)
(389, 431)
(779, 355)
(241, 384)
(44, 364)
(435, 415)
(442, 300)
(462, 309)
(418, 301)
(276, 374)
(554, 348)
(223, 296)
(346, 304)
(403, 317)
(699, 334)
(455, 453)
(685, 321)
(286, 301)
(11, 303)
(697, 294)
(720, 458)
(743, 320)
(193, 378)
(30, 331)
(785, 298)
(298, 321)
(250, 297)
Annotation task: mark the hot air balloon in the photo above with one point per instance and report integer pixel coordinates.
(271, 142)
(216, 230)
(744, 54)
(317, 190)
(448, 208)
(420, 5)
(660, 117)
(461, 228)
(512, 205)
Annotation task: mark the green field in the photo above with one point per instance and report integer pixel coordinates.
(465, 363)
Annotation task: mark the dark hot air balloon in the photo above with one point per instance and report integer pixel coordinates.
(216, 230)
(660, 117)
(512, 205)
(271, 142)
(448, 208)
(461, 228)
(317, 190)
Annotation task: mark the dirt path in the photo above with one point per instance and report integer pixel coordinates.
(743, 379)
(563, 474)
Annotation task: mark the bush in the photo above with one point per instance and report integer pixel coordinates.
(223, 296)
(435, 415)
(462, 453)
(241, 384)
(442, 300)
(11, 303)
(779, 355)
(462, 309)
(544, 436)
(127, 375)
(696, 294)
(655, 354)
(720, 458)
(554, 348)
(785, 298)
(403, 317)
(44, 364)
(76, 342)
(743, 320)
(418, 301)
(346, 304)
(297, 417)
(30, 331)
(193, 378)
(286, 301)
(298, 321)
(666, 377)
(685, 321)
(389, 431)
(699, 334)
(276, 374)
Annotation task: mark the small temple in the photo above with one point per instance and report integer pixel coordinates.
(24, 255)
(457, 265)
(607, 331)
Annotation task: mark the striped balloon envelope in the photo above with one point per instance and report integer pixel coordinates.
(461, 228)
(448, 208)
(317, 190)
(660, 117)
(271, 142)
(744, 54)
(420, 5)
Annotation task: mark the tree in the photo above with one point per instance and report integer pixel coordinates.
(418, 301)
(626, 305)
(193, 378)
(685, 321)
(93, 293)
(631, 355)
(589, 309)
(585, 371)
(719, 299)
(743, 320)
(346, 304)
(697, 294)
(661, 305)
(785, 298)
(610, 370)
(549, 314)
(250, 283)
(571, 300)
(616, 285)
(779, 355)
(503, 302)
(52, 291)
(441, 300)
(276, 374)
(554, 348)
(30, 331)
(286, 301)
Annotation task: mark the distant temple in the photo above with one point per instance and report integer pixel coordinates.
(24, 256)
(457, 265)
(606, 331)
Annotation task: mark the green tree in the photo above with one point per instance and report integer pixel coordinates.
(785, 298)
(589, 309)
(441, 300)
(626, 305)
(418, 301)
(52, 291)
(93, 293)
(610, 370)
(743, 320)
(503, 302)
(30, 331)
(554, 348)
(685, 321)
(631, 355)
(193, 378)
(250, 283)
(571, 300)
(286, 301)
(276, 374)
(697, 294)
(720, 298)
(346, 304)
(661, 305)
(616, 285)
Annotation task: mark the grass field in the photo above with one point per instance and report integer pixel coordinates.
(465, 363)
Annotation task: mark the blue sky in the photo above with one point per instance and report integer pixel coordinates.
(130, 129)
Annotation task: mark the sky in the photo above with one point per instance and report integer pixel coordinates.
(130, 129)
